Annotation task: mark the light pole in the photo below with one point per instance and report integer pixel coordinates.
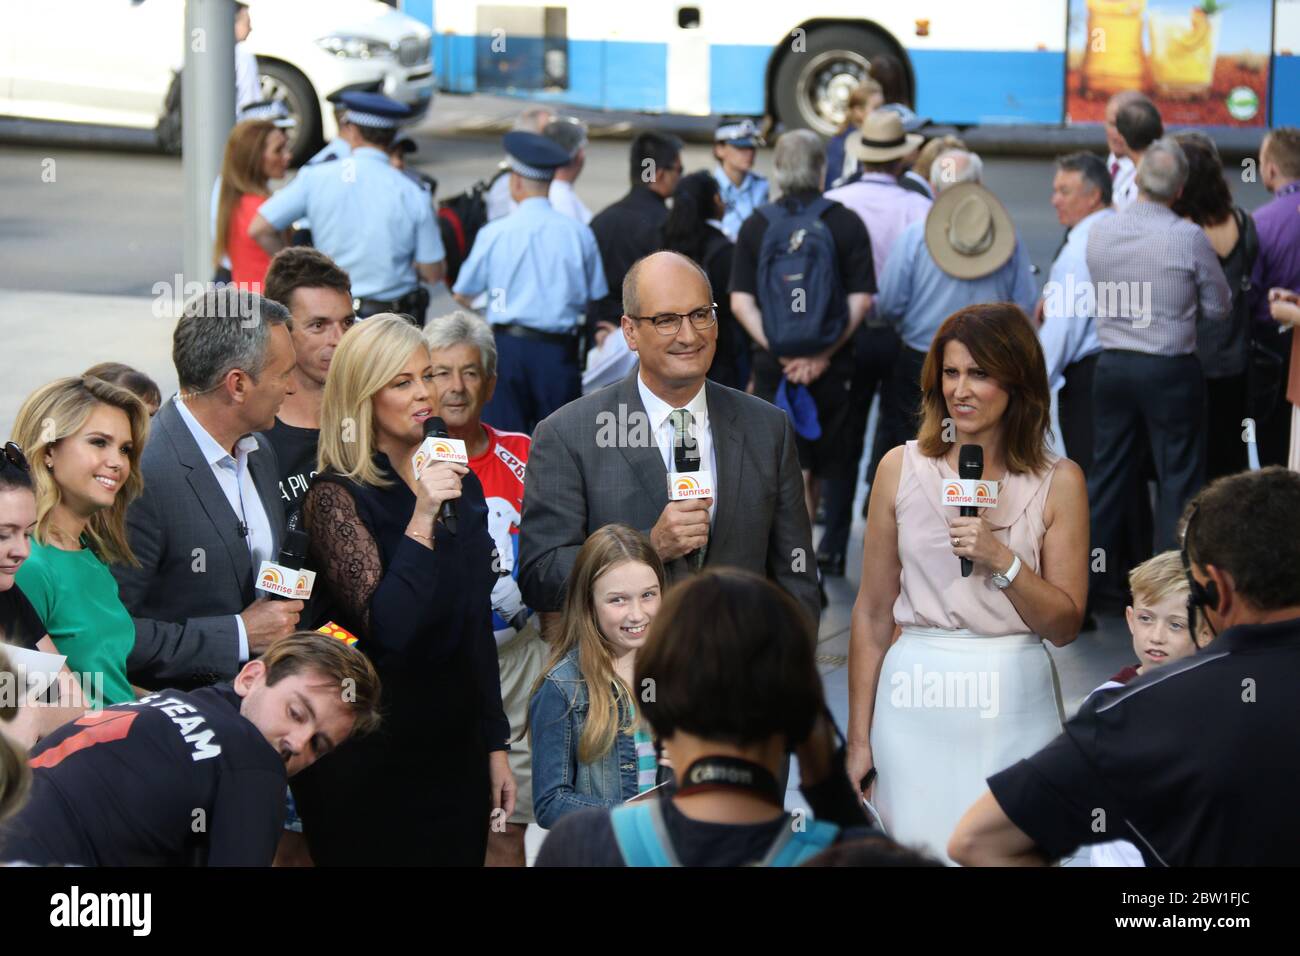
(208, 112)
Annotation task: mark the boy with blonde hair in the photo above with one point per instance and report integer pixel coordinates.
(1157, 619)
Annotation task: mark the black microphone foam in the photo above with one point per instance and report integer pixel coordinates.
(970, 465)
(435, 427)
(293, 553)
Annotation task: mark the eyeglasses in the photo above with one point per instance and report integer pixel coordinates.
(670, 323)
(13, 455)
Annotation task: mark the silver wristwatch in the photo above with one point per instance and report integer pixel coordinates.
(1003, 579)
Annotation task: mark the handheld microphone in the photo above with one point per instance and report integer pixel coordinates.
(435, 427)
(970, 464)
(686, 471)
(287, 579)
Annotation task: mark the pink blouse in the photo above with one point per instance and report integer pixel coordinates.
(932, 592)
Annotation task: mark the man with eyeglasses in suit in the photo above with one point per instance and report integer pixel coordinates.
(608, 456)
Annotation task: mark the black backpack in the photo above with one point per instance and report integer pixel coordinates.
(460, 217)
(799, 289)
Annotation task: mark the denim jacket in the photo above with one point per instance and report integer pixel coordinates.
(561, 785)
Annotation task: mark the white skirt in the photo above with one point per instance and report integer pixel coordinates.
(952, 709)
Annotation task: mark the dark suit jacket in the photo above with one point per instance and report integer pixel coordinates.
(578, 480)
(195, 570)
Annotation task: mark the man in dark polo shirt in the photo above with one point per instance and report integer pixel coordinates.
(318, 295)
(193, 778)
(1195, 763)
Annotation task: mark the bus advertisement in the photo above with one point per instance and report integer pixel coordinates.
(1040, 62)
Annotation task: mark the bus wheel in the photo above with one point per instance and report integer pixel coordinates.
(811, 89)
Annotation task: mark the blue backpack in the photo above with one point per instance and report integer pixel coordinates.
(643, 839)
(804, 305)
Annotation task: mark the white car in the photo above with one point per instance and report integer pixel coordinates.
(116, 62)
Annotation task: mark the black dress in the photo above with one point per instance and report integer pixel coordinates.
(416, 792)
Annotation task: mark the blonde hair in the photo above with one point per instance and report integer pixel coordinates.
(607, 694)
(241, 174)
(930, 152)
(369, 357)
(58, 410)
(859, 96)
(1158, 578)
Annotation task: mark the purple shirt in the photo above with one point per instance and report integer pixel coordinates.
(1278, 263)
(886, 209)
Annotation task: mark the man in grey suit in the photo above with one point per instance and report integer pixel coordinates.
(210, 512)
(607, 456)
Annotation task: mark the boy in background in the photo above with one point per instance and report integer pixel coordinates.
(1157, 619)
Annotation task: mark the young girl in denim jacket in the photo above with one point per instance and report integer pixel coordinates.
(587, 751)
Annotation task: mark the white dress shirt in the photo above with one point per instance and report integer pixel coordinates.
(236, 483)
(248, 84)
(1123, 180)
(564, 198)
(662, 428)
(1069, 331)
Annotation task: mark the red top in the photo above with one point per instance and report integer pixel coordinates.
(248, 260)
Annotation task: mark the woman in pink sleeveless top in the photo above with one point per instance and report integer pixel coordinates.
(967, 688)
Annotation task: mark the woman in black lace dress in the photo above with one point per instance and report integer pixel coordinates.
(422, 790)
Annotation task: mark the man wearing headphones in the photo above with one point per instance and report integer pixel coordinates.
(1194, 763)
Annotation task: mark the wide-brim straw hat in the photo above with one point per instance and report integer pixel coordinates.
(969, 232)
(882, 138)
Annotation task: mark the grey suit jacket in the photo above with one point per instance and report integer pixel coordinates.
(594, 462)
(195, 571)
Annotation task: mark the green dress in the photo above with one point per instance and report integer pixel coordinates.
(76, 596)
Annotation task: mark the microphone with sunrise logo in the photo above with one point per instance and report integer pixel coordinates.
(970, 465)
(435, 433)
(687, 481)
(286, 579)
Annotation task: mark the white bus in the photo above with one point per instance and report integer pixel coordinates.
(959, 62)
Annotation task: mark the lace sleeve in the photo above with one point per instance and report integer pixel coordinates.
(343, 549)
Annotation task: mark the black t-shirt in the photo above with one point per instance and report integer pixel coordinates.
(1194, 762)
(586, 838)
(295, 450)
(171, 780)
(852, 248)
(20, 625)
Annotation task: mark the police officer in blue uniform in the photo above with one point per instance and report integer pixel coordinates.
(743, 190)
(370, 219)
(539, 269)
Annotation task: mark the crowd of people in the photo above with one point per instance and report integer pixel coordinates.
(556, 550)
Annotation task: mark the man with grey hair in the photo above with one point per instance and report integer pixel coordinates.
(464, 356)
(210, 512)
(1154, 273)
(953, 167)
(569, 134)
(830, 241)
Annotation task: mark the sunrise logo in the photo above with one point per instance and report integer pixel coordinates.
(953, 490)
(442, 448)
(686, 484)
(272, 576)
(421, 459)
(982, 491)
(301, 584)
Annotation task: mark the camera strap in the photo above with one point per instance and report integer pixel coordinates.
(731, 773)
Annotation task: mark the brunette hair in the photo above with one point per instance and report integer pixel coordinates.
(144, 388)
(241, 174)
(730, 659)
(1002, 342)
(338, 663)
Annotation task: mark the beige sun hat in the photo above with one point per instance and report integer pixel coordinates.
(969, 232)
(882, 138)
